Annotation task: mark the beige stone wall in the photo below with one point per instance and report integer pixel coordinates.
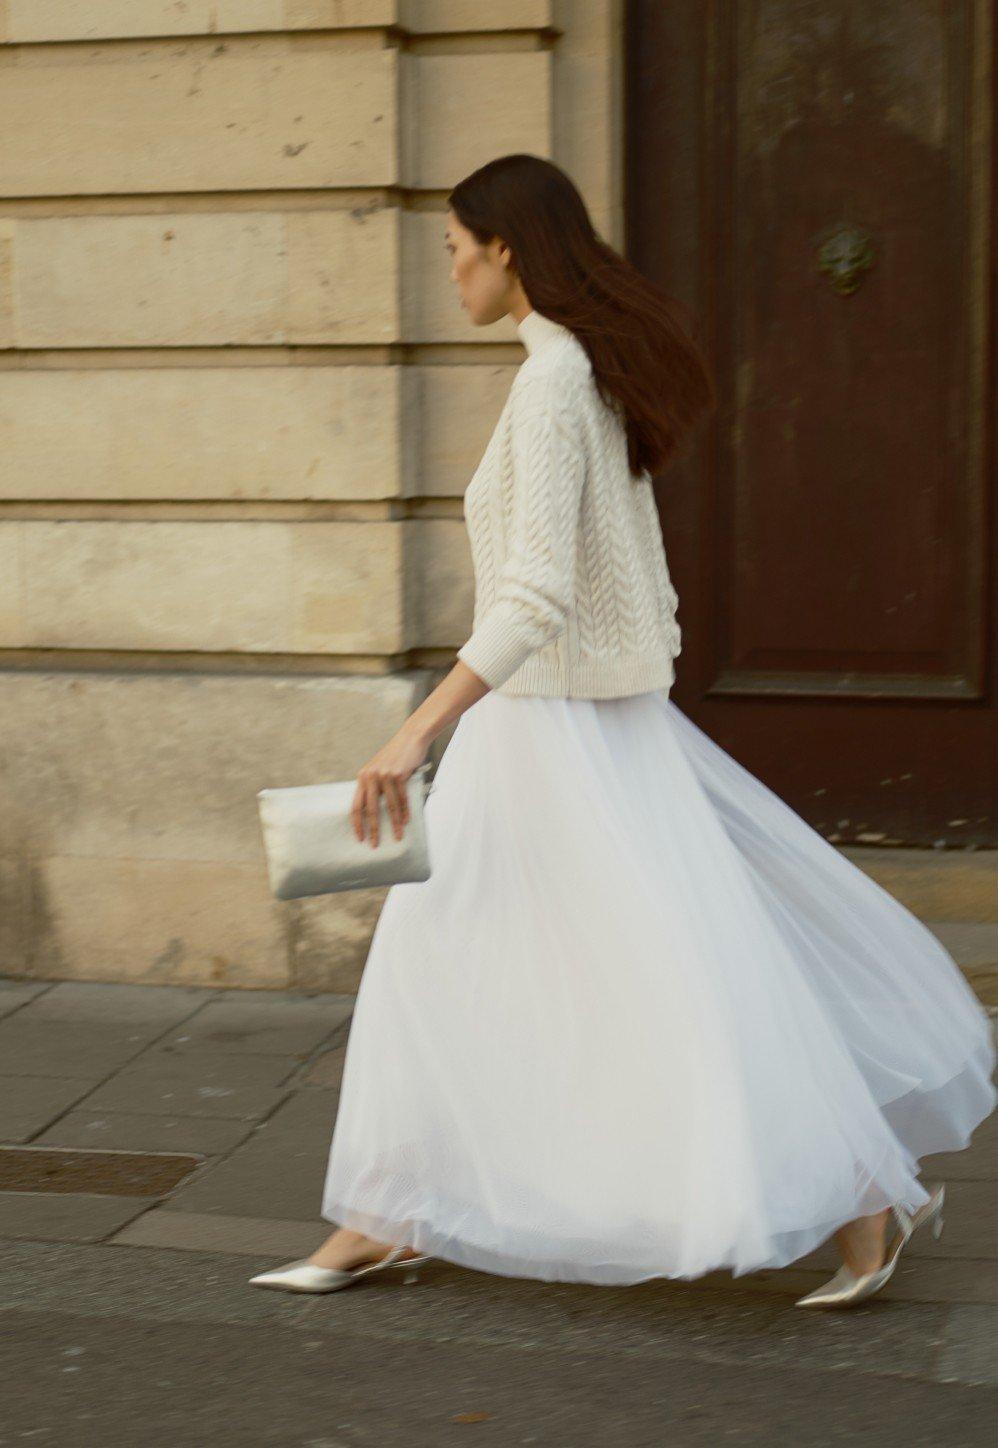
(239, 405)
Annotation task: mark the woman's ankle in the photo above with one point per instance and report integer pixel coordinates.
(862, 1243)
(344, 1248)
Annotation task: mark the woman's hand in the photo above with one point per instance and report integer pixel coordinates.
(388, 771)
(386, 774)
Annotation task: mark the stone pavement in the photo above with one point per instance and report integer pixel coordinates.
(126, 1316)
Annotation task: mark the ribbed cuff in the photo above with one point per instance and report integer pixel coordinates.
(494, 651)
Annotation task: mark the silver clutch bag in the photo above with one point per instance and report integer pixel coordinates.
(311, 847)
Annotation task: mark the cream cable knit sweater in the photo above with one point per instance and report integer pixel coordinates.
(572, 589)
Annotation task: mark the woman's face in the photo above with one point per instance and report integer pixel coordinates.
(482, 273)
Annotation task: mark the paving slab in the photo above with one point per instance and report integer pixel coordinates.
(155, 1094)
(969, 1352)
(144, 1283)
(264, 1024)
(17, 993)
(978, 1162)
(326, 1070)
(99, 1130)
(250, 1081)
(651, 1321)
(936, 885)
(971, 1228)
(233, 1386)
(972, 944)
(214, 1232)
(209, 1067)
(66, 1216)
(29, 1103)
(92, 1049)
(915, 1280)
(102, 1001)
(277, 1172)
(943, 1281)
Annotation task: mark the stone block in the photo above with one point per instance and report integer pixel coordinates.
(328, 943)
(165, 766)
(14, 912)
(459, 125)
(40, 20)
(161, 921)
(244, 586)
(44, 20)
(459, 408)
(276, 434)
(268, 433)
(255, 278)
(588, 104)
(11, 585)
(426, 16)
(443, 594)
(130, 811)
(255, 114)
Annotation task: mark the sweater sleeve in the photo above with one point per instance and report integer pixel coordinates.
(536, 584)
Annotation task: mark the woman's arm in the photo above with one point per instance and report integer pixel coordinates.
(534, 594)
(536, 584)
(386, 773)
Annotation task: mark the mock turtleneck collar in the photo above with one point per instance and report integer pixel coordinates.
(536, 329)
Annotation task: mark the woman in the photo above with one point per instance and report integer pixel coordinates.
(642, 1020)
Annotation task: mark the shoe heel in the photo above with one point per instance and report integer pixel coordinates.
(938, 1217)
(412, 1269)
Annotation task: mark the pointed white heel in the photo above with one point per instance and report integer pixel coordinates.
(305, 1276)
(848, 1287)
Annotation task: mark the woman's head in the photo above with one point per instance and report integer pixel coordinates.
(520, 236)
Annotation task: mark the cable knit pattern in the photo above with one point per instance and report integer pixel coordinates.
(572, 589)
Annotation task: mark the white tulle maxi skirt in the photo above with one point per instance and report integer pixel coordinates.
(642, 1021)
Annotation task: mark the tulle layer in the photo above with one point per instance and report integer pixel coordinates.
(642, 1020)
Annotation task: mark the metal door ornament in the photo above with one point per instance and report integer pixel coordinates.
(845, 256)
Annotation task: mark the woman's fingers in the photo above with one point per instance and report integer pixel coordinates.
(366, 809)
(357, 811)
(372, 795)
(394, 789)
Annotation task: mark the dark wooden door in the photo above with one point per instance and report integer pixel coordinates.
(815, 179)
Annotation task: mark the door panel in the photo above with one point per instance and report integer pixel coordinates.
(815, 180)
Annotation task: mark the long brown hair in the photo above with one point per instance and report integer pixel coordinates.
(645, 360)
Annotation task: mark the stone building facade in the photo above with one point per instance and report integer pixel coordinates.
(239, 404)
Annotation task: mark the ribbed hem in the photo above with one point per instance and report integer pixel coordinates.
(601, 678)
